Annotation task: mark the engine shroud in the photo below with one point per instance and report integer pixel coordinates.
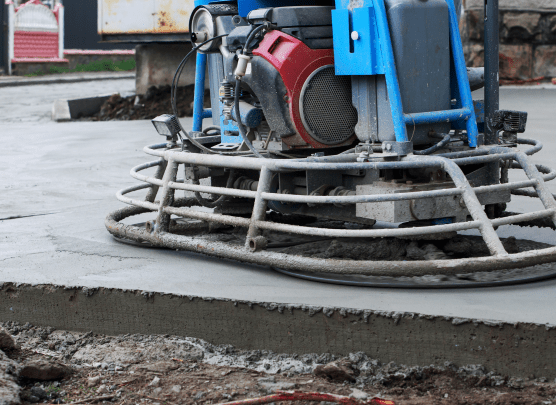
(319, 101)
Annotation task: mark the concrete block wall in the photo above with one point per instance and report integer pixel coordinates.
(156, 65)
(527, 37)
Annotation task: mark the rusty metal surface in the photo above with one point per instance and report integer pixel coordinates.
(144, 16)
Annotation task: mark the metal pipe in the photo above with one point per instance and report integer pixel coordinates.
(155, 181)
(436, 116)
(199, 112)
(542, 191)
(259, 207)
(492, 60)
(167, 196)
(207, 216)
(523, 217)
(300, 263)
(120, 195)
(232, 192)
(390, 72)
(461, 74)
(153, 191)
(475, 208)
(367, 233)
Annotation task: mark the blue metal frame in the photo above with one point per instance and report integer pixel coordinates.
(362, 56)
(199, 111)
(359, 58)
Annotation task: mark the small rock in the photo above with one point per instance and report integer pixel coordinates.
(38, 392)
(157, 391)
(155, 382)
(33, 399)
(93, 381)
(269, 379)
(103, 389)
(44, 370)
(199, 395)
(335, 371)
(278, 386)
(7, 342)
(176, 389)
(358, 394)
(160, 366)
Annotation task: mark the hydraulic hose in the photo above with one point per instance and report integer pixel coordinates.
(445, 141)
(220, 200)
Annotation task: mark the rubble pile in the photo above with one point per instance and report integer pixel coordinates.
(43, 365)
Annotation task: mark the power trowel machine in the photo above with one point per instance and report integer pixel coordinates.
(345, 146)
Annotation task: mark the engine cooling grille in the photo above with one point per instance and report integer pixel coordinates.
(326, 109)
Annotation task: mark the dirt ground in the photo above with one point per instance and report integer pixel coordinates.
(138, 369)
(154, 102)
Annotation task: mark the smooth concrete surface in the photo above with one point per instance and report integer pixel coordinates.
(58, 182)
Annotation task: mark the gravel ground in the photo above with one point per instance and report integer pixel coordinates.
(139, 369)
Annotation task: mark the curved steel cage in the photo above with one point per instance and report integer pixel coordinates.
(165, 183)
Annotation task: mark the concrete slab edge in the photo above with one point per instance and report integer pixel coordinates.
(66, 110)
(57, 80)
(518, 349)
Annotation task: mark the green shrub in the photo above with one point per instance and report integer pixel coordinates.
(103, 65)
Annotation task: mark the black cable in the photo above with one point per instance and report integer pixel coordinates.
(237, 92)
(173, 91)
(220, 200)
(445, 141)
(240, 126)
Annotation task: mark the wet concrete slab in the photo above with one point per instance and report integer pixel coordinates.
(58, 182)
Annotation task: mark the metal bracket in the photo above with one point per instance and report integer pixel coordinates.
(398, 148)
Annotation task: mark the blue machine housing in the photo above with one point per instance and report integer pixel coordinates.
(364, 46)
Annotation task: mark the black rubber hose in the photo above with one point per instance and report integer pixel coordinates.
(240, 126)
(220, 200)
(251, 37)
(445, 141)
(237, 92)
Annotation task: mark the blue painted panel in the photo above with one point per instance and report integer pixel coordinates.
(230, 131)
(362, 56)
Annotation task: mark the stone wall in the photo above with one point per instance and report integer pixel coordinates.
(527, 37)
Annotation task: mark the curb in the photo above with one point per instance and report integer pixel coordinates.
(61, 79)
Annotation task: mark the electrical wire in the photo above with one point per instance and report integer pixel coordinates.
(237, 93)
(240, 126)
(173, 91)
